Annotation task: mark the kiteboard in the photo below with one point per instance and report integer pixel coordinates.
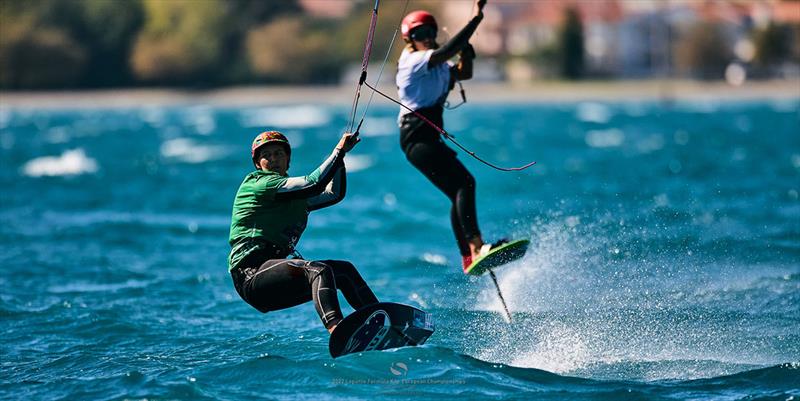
(380, 326)
(501, 255)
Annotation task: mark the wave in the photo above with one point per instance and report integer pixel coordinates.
(200, 118)
(358, 162)
(301, 116)
(605, 138)
(189, 151)
(376, 126)
(88, 287)
(158, 220)
(5, 118)
(777, 380)
(593, 113)
(247, 367)
(435, 371)
(581, 307)
(71, 162)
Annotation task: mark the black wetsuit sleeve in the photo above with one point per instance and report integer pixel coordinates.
(334, 192)
(455, 44)
(313, 184)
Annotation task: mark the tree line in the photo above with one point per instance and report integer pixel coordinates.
(60, 44)
(65, 44)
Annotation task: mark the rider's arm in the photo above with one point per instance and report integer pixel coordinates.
(455, 44)
(333, 193)
(313, 184)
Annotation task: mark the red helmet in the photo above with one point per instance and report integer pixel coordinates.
(415, 19)
(266, 138)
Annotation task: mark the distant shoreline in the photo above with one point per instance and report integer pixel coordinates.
(535, 92)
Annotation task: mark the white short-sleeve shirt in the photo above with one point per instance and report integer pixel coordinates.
(418, 85)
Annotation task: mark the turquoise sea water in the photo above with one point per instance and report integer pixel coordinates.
(665, 257)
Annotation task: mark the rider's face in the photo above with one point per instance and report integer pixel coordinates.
(273, 158)
(424, 37)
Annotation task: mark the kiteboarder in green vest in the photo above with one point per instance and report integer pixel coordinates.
(270, 213)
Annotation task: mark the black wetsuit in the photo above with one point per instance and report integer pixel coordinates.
(425, 149)
(274, 284)
(270, 213)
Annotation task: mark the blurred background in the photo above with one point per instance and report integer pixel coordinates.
(72, 44)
